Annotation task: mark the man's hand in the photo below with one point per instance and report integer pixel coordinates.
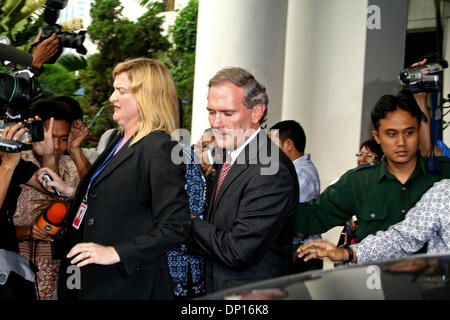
(45, 150)
(322, 250)
(78, 132)
(45, 50)
(46, 147)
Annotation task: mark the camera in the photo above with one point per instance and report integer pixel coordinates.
(17, 89)
(426, 78)
(35, 129)
(35, 132)
(66, 39)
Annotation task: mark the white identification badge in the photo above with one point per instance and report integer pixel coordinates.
(80, 215)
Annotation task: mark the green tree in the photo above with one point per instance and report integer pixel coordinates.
(57, 80)
(182, 57)
(117, 39)
(20, 20)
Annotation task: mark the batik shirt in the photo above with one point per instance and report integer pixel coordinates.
(428, 220)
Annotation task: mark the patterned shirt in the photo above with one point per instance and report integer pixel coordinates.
(308, 178)
(428, 220)
(309, 189)
(372, 193)
(186, 266)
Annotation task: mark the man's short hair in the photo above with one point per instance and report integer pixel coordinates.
(388, 103)
(48, 109)
(254, 92)
(290, 129)
(74, 108)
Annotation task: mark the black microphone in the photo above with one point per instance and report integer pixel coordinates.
(15, 55)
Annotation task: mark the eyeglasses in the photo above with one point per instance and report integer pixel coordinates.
(365, 155)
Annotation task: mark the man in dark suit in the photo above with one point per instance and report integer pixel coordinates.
(247, 232)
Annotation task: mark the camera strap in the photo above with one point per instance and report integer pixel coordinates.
(436, 116)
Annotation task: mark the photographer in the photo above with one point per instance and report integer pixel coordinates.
(440, 149)
(34, 243)
(14, 172)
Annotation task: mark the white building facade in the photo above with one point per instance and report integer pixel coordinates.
(324, 63)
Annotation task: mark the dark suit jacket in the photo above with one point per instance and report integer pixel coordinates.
(248, 230)
(137, 204)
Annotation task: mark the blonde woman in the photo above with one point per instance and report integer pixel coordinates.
(131, 207)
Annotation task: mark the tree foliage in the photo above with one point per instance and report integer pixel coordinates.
(182, 57)
(20, 20)
(117, 39)
(57, 80)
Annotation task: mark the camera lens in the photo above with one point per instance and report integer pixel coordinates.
(37, 130)
(403, 77)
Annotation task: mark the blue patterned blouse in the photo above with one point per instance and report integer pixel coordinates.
(187, 267)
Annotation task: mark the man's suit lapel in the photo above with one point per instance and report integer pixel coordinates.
(235, 171)
(248, 156)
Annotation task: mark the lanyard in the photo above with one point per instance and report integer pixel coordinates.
(107, 161)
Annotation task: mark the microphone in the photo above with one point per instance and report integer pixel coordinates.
(52, 220)
(15, 55)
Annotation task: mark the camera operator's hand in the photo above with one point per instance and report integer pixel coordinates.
(57, 183)
(11, 160)
(45, 50)
(421, 97)
(425, 126)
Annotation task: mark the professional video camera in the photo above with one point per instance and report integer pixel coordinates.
(66, 39)
(17, 90)
(426, 78)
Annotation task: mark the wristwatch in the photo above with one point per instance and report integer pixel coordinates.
(350, 253)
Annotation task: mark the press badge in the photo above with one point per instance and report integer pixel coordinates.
(80, 214)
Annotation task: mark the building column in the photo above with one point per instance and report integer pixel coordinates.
(384, 57)
(324, 79)
(233, 33)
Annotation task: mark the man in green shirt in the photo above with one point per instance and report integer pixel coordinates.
(379, 194)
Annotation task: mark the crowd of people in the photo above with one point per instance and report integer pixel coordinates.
(244, 205)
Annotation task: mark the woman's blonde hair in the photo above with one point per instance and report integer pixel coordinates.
(153, 86)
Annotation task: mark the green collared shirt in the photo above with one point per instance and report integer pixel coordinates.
(371, 193)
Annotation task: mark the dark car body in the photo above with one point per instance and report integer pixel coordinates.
(418, 277)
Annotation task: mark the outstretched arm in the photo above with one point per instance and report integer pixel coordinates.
(9, 161)
(324, 250)
(425, 125)
(422, 223)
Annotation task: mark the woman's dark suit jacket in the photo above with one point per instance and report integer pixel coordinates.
(138, 204)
